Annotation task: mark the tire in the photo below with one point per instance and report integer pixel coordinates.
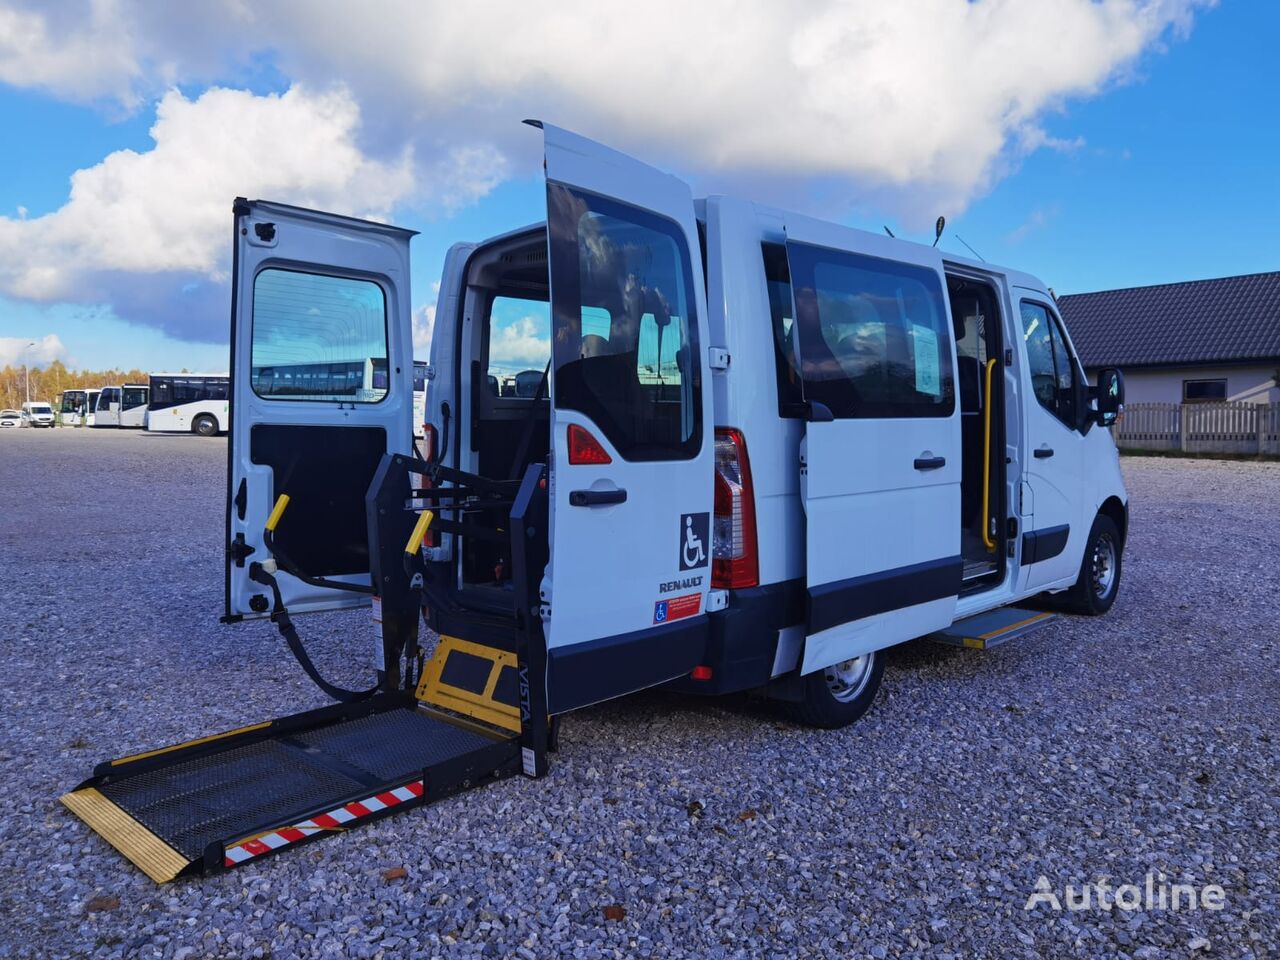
(1097, 586)
(205, 426)
(840, 694)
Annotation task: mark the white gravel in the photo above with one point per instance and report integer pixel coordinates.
(1093, 749)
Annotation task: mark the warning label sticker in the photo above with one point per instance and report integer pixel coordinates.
(677, 608)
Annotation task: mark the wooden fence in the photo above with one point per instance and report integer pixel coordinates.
(1226, 427)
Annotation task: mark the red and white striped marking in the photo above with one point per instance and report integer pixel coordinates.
(333, 820)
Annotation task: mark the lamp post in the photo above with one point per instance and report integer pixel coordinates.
(26, 371)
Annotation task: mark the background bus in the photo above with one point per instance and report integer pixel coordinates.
(362, 380)
(78, 406)
(189, 403)
(419, 397)
(124, 406)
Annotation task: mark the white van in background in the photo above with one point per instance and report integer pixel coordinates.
(770, 446)
(35, 413)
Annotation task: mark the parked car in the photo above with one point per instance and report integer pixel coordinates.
(35, 414)
(10, 418)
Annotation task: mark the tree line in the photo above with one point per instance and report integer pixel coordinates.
(48, 383)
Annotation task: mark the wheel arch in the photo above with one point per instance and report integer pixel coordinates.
(1118, 512)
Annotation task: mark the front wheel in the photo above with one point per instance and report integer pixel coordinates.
(204, 425)
(841, 693)
(1099, 581)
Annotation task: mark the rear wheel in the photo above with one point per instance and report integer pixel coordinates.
(1099, 581)
(204, 425)
(840, 694)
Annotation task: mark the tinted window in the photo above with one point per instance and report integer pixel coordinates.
(874, 339)
(626, 343)
(778, 281)
(519, 343)
(133, 397)
(317, 337)
(1194, 391)
(1053, 374)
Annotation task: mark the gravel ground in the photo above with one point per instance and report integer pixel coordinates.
(1094, 749)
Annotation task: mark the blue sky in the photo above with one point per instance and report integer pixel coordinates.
(1157, 163)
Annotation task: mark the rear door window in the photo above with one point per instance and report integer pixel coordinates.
(519, 333)
(318, 337)
(625, 335)
(874, 339)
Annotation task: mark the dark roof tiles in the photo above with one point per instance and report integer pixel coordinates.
(1199, 321)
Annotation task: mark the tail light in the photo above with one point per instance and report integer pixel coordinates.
(584, 448)
(735, 559)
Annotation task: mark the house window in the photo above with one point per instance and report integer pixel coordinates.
(1201, 391)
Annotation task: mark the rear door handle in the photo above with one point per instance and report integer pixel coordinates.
(930, 463)
(596, 498)
(1043, 453)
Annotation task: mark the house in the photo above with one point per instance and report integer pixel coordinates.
(1184, 342)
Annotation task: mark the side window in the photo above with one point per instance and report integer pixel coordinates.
(1199, 391)
(318, 337)
(777, 278)
(874, 338)
(1053, 374)
(626, 339)
(519, 346)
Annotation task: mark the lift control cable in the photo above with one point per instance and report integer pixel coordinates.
(259, 573)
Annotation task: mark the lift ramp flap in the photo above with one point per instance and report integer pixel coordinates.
(218, 802)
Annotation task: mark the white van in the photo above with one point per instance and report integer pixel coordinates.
(773, 445)
(37, 414)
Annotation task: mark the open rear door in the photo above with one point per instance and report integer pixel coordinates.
(881, 457)
(321, 387)
(624, 598)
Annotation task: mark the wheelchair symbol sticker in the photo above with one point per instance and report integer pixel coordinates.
(694, 532)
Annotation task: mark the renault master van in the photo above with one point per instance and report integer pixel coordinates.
(770, 446)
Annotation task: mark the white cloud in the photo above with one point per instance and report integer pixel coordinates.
(14, 351)
(168, 209)
(914, 107)
(930, 95)
(516, 345)
(424, 321)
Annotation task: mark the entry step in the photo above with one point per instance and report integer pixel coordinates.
(993, 628)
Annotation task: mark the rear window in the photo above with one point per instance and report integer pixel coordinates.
(318, 337)
(624, 331)
(874, 339)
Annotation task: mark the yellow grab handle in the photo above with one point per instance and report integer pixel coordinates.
(419, 531)
(277, 512)
(986, 463)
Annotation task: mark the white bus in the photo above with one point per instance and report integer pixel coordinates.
(79, 406)
(124, 406)
(188, 403)
(419, 397)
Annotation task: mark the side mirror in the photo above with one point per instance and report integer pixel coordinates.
(1109, 396)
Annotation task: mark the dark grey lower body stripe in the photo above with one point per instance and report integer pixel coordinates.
(831, 604)
(1044, 544)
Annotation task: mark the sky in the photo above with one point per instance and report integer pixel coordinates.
(1095, 144)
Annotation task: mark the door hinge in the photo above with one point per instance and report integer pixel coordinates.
(717, 600)
(431, 371)
(237, 550)
(718, 358)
